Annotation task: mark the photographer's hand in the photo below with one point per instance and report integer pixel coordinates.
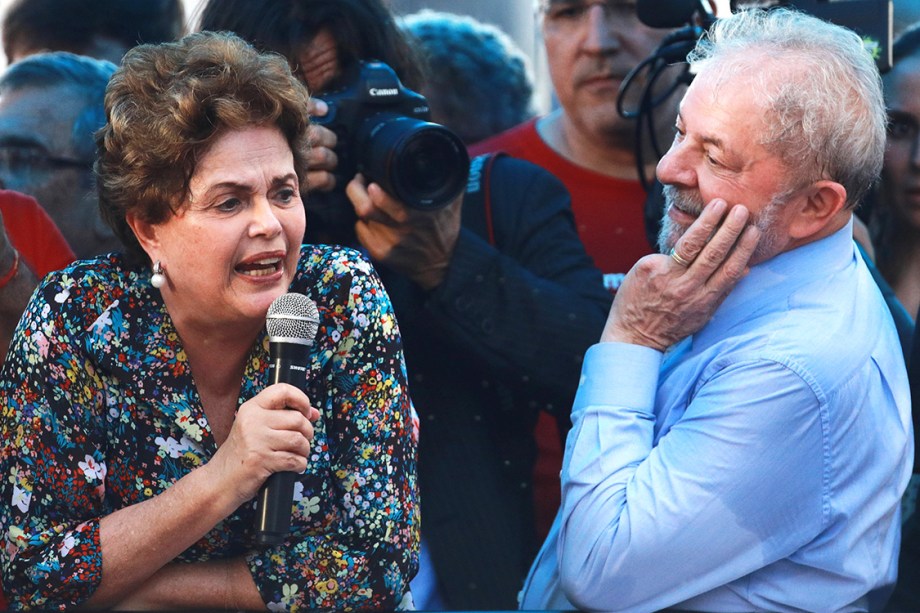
(322, 160)
(418, 244)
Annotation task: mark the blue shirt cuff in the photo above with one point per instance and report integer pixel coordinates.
(619, 374)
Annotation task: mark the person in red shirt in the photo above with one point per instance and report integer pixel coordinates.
(31, 246)
(33, 233)
(591, 46)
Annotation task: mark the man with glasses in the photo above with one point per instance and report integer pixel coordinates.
(50, 106)
(591, 45)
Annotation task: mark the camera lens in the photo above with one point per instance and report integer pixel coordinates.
(421, 164)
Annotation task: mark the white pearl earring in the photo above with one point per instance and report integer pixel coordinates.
(157, 279)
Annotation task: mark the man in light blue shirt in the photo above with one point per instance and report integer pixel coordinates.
(742, 435)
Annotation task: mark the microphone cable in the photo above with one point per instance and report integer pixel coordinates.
(646, 75)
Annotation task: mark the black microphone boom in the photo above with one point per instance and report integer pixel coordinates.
(292, 322)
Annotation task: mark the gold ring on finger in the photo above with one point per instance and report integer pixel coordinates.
(679, 258)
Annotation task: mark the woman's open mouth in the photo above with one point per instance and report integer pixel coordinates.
(263, 267)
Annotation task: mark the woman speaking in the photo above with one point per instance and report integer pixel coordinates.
(138, 418)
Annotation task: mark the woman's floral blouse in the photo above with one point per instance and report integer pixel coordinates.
(100, 411)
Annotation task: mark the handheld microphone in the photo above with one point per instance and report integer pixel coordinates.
(291, 323)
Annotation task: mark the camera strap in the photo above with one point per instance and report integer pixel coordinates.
(477, 202)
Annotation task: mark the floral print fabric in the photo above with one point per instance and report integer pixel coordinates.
(100, 411)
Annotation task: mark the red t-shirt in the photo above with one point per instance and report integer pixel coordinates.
(34, 235)
(610, 220)
(608, 211)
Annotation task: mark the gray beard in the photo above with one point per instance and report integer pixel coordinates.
(691, 202)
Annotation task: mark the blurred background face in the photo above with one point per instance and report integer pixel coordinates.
(901, 172)
(37, 157)
(591, 45)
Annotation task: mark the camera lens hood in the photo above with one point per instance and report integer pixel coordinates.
(422, 164)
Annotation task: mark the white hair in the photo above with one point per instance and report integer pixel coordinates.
(825, 114)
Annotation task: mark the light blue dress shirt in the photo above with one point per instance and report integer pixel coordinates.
(757, 465)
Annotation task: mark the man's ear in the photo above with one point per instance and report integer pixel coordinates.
(820, 207)
(146, 234)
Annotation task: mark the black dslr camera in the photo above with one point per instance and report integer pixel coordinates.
(385, 134)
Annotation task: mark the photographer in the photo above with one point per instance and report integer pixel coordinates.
(495, 297)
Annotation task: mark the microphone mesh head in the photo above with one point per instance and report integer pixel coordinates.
(292, 317)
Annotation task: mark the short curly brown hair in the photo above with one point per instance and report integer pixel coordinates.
(168, 103)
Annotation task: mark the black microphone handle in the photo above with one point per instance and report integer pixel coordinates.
(289, 362)
(274, 509)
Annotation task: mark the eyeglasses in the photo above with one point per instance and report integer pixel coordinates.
(21, 160)
(574, 12)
